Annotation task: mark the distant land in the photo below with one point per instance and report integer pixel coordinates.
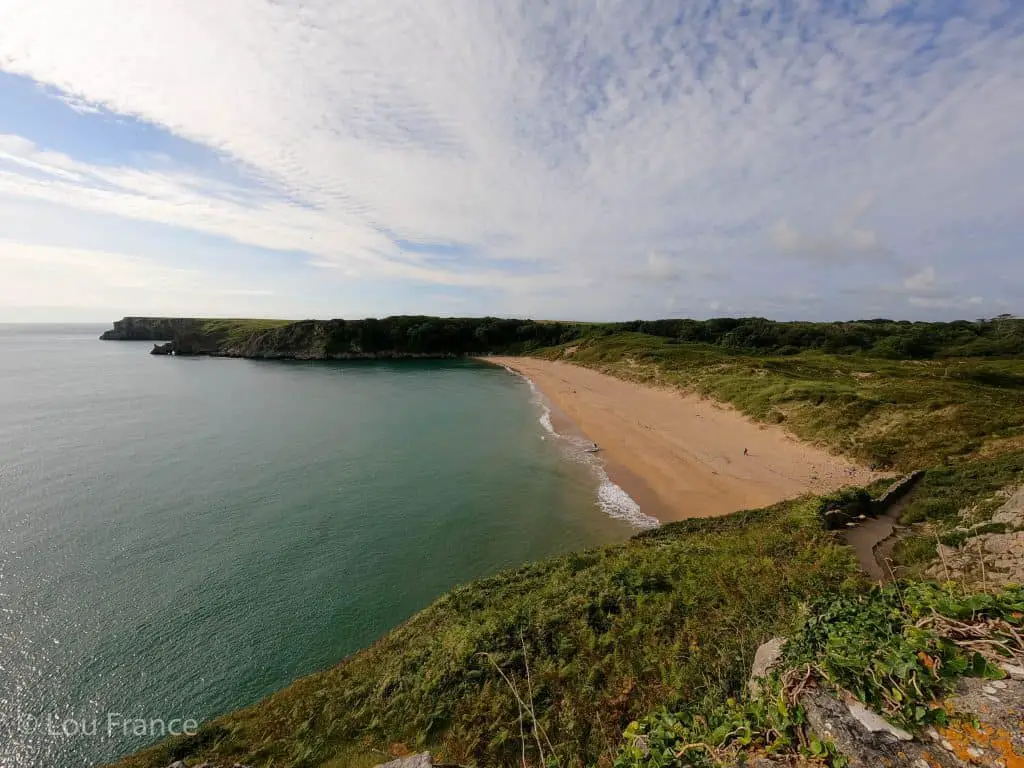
(422, 336)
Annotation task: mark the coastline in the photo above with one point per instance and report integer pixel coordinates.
(677, 455)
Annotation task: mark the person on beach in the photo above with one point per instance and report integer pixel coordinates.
(745, 452)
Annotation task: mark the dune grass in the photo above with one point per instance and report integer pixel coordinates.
(900, 414)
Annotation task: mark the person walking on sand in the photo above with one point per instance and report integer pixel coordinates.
(745, 452)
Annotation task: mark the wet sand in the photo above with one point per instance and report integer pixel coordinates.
(679, 455)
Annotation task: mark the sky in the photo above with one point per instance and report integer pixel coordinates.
(562, 160)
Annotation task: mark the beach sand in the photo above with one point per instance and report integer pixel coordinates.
(679, 455)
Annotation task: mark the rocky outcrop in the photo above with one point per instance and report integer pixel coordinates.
(985, 727)
(149, 328)
(301, 340)
(991, 552)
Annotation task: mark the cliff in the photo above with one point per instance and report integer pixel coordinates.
(149, 328)
(391, 337)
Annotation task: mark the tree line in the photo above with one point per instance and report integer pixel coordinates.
(898, 339)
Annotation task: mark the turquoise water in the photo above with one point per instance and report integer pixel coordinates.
(181, 536)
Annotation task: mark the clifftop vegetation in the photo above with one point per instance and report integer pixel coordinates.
(411, 334)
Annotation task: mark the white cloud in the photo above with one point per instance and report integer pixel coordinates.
(98, 280)
(921, 282)
(567, 146)
(844, 240)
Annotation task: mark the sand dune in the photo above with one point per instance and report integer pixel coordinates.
(680, 455)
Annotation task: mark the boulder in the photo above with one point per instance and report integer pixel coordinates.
(765, 660)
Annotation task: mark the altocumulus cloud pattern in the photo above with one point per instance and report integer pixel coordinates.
(591, 160)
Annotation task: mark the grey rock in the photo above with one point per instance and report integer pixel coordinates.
(422, 760)
(1000, 713)
(1015, 671)
(765, 660)
(831, 719)
(876, 723)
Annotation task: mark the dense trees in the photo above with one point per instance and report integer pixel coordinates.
(879, 338)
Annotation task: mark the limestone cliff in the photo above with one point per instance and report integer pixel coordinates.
(149, 328)
(389, 338)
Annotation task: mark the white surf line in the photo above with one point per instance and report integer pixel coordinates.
(611, 498)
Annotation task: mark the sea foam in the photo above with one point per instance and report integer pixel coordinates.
(611, 498)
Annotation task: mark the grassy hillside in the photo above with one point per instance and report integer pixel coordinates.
(590, 640)
(905, 414)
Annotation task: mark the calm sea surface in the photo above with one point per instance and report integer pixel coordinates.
(180, 537)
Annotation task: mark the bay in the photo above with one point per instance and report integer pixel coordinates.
(180, 537)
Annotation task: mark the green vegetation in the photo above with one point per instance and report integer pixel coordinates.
(904, 414)
(898, 649)
(902, 340)
(950, 497)
(589, 641)
(236, 331)
(625, 655)
(414, 334)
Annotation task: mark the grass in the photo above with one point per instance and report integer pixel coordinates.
(900, 414)
(608, 634)
(235, 331)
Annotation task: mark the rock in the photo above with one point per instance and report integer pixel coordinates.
(996, 544)
(163, 349)
(765, 659)
(831, 719)
(993, 735)
(422, 760)
(875, 723)
(178, 764)
(1015, 671)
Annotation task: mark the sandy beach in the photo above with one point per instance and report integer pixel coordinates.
(679, 455)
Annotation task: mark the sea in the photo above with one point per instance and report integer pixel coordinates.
(180, 537)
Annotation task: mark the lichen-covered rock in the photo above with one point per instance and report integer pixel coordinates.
(993, 735)
(832, 719)
(985, 730)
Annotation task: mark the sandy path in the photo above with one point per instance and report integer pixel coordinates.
(682, 456)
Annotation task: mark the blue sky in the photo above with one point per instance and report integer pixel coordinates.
(799, 159)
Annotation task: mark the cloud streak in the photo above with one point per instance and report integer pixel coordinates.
(702, 152)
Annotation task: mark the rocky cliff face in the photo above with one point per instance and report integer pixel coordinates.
(149, 328)
(302, 340)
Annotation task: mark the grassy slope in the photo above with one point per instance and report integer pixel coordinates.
(609, 634)
(905, 414)
(236, 331)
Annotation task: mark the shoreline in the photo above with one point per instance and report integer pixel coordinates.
(677, 455)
